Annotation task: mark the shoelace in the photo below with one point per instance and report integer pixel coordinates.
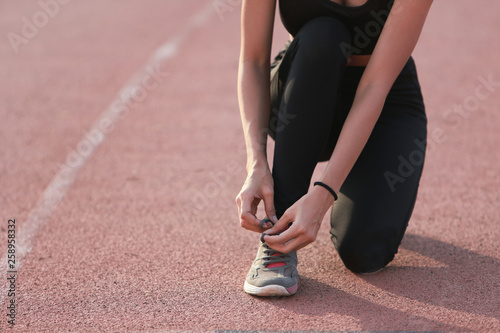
(273, 256)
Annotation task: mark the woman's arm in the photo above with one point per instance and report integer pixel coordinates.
(257, 21)
(396, 43)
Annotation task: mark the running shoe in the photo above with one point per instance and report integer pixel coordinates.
(272, 273)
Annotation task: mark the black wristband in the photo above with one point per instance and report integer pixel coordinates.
(328, 188)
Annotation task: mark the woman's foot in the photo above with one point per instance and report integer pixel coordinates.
(272, 273)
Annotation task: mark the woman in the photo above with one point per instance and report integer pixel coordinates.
(345, 90)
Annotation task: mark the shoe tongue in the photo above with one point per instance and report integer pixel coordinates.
(276, 264)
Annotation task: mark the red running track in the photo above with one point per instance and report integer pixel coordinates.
(137, 229)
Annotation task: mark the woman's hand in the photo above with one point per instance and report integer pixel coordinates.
(258, 186)
(305, 217)
(257, 22)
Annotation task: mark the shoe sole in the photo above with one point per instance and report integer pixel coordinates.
(271, 290)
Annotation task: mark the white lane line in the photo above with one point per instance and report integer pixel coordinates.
(63, 180)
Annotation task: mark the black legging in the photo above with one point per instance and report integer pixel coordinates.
(312, 90)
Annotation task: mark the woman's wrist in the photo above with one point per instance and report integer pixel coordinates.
(332, 178)
(323, 196)
(328, 188)
(257, 163)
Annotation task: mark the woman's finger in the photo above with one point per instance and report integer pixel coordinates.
(248, 220)
(269, 206)
(282, 224)
(287, 246)
(266, 223)
(279, 239)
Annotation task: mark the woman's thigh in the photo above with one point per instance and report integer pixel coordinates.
(309, 79)
(377, 198)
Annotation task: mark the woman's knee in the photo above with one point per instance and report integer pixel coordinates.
(368, 253)
(363, 261)
(324, 38)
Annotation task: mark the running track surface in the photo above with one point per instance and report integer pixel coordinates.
(137, 230)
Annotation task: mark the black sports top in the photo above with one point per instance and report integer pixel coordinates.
(364, 22)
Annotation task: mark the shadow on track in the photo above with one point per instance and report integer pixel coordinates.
(467, 281)
(323, 299)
